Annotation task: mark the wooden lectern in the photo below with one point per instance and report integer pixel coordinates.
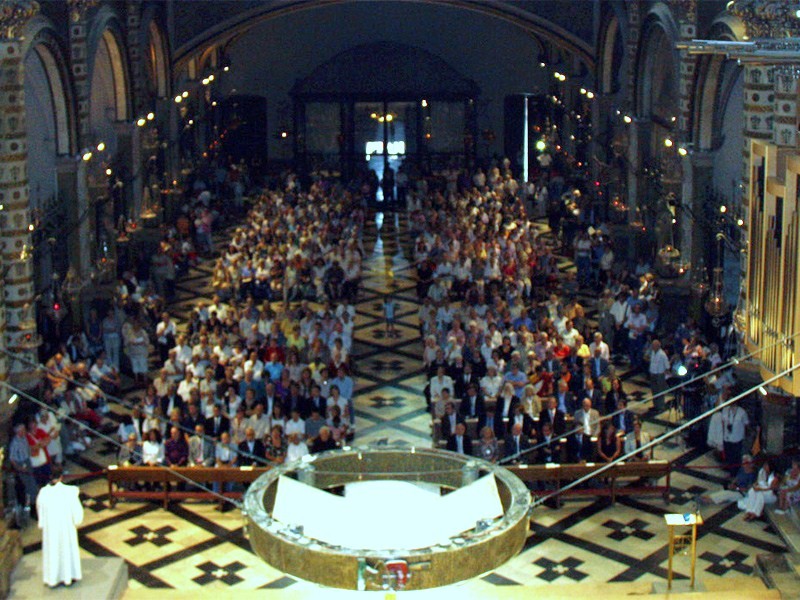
(681, 541)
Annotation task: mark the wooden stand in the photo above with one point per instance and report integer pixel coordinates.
(681, 541)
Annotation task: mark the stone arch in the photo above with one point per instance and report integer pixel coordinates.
(42, 45)
(157, 58)
(610, 53)
(714, 83)
(657, 65)
(108, 70)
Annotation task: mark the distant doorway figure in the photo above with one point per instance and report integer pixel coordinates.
(60, 512)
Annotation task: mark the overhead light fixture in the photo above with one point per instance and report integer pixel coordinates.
(205, 81)
(683, 151)
(87, 156)
(109, 171)
(682, 371)
(178, 99)
(101, 146)
(668, 143)
(590, 95)
(723, 209)
(541, 145)
(184, 94)
(424, 103)
(211, 77)
(627, 119)
(763, 390)
(141, 121)
(583, 91)
(151, 116)
(740, 222)
(226, 68)
(13, 398)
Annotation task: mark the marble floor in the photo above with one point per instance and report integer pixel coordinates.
(191, 546)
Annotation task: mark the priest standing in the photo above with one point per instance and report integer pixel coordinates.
(60, 512)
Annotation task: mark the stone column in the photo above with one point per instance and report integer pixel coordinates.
(135, 58)
(697, 175)
(638, 153)
(15, 218)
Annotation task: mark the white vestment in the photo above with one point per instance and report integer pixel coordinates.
(60, 512)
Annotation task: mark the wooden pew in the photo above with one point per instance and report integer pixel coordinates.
(167, 478)
(608, 481)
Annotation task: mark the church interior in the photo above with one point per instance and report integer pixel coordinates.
(473, 246)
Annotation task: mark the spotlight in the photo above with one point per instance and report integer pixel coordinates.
(590, 95)
(13, 398)
(109, 171)
(740, 222)
(424, 103)
(211, 77)
(583, 91)
(723, 209)
(214, 103)
(184, 94)
(101, 146)
(226, 68)
(541, 145)
(542, 65)
(284, 134)
(389, 117)
(151, 116)
(178, 99)
(87, 156)
(627, 119)
(683, 151)
(141, 121)
(31, 227)
(205, 81)
(762, 390)
(668, 143)
(682, 370)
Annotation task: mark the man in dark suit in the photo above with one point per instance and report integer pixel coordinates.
(551, 414)
(217, 423)
(565, 398)
(462, 381)
(518, 415)
(171, 401)
(580, 447)
(193, 417)
(449, 420)
(623, 420)
(550, 449)
(551, 364)
(473, 406)
(589, 391)
(460, 442)
(251, 450)
(516, 443)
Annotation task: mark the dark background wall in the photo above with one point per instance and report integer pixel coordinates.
(500, 57)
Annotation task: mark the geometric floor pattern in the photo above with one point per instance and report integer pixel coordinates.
(192, 546)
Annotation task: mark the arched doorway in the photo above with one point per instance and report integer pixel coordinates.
(49, 130)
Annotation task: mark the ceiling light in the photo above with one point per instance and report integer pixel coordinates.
(627, 119)
(101, 146)
(151, 116)
(13, 398)
(178, 98)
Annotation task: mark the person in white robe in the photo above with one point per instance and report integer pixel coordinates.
(60, 512)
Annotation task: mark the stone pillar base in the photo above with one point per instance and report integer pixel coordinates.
(10, 553)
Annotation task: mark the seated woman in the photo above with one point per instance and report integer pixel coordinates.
(762, 492)
(609, 445)
(634, 442)
(789, 494)
(153, 449)
(488, 448)
(276, 446)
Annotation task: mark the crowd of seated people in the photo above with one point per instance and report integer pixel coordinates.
(515, 373)
(257, 375)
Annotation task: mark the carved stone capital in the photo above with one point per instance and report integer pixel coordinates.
(767, 18)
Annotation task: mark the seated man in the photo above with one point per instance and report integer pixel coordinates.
(553, 415)
(251, 451)
(449, 420)
(201, 448)
(580, 447)
(516, 443)
(324, 441)
(460, 442)
(550, 450)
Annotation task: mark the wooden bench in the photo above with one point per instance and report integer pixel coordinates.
(167, 478)
(650, 471)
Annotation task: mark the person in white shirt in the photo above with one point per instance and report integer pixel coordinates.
(186, 386)
(605, 351)
(636, 325)
(296, 448)
(296, 425)
(734, 426)
(439, 382)
(659, 366)
(491, 382)
(165, 335)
